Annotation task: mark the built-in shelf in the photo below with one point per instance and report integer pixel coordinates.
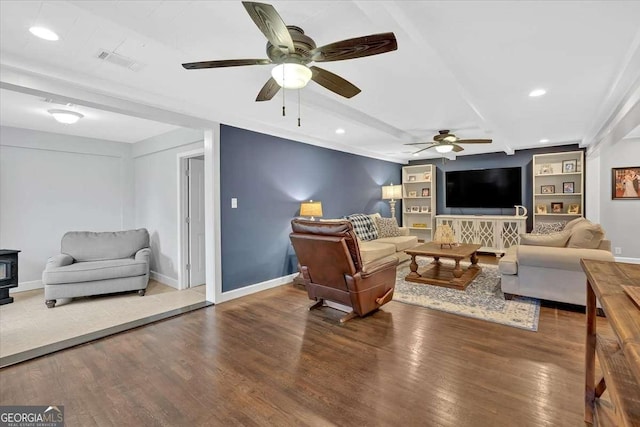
(419, 192)
(553, 175)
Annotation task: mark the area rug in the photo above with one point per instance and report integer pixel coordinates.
(482, 299)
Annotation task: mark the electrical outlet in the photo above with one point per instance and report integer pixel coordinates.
(617, 251)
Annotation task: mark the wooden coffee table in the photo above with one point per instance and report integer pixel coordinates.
(441, 274)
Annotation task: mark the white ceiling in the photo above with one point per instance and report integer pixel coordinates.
(30, 112)
(465, 66)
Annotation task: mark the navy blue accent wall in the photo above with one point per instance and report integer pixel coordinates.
(270, 176)
(522, 158)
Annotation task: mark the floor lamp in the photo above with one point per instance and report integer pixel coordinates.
(391, 193)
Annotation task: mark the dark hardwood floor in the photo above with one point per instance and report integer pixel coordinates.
(266, 360)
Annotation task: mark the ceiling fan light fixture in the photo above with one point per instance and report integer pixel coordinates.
(444, 148)
(537, 92)
(65, 116)
(291, 75)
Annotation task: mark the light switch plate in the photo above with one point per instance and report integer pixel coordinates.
(234, 203)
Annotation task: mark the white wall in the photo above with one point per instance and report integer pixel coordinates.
(51, 184)
(156, 196)
(620, 218)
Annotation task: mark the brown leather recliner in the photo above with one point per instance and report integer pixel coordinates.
(332, 268)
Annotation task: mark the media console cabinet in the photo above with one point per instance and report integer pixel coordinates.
(495, 233)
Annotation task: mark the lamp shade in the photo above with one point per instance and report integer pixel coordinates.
(391, 192)
(311, 208)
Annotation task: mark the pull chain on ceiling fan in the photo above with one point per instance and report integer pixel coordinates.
(292, 50)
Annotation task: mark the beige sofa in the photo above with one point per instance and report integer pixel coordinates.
(548, 266)
(374, 250)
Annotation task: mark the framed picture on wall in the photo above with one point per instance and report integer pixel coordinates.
(625, 183)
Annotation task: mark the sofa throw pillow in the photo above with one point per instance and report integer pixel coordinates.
(575, 222)
(387, 227)
(586, 235)
(363, 227)
(548, 227)
(558, 239)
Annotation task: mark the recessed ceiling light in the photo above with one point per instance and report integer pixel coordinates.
(544, 141)
(44, 33)
(65, 116)
(537, 92)
(340, 131)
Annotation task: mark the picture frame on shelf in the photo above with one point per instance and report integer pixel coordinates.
(541, 209)
(545, 169)
(625, 183)
(568, 187)
(574, 208)
(569, 166)
(556, 207)
(426, 192)
(419, 225)
(547, 189)
(426, 177)
(411, 178)
(407, 209)
(413, 194)
(415, 209)
(424, 209)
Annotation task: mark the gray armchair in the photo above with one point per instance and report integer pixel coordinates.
(98, 263)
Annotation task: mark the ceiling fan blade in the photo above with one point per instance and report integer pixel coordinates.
(225, 63)
(355, 48)
(268, 91)
(333, 82)
(473, 141)
(418, 143)
(425, 148)
(271, 25)
(457, 148)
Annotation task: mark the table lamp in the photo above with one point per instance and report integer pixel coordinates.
(311, 209)
(391, 193)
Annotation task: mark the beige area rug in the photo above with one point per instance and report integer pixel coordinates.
(27, 323)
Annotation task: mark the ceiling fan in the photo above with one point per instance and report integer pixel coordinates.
(446, 142)
(291, 50)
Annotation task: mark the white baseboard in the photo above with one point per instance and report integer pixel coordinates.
(27, 286)
(252, 289)
(165, 280)
(629, 260)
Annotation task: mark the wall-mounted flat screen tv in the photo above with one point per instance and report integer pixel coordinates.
(484, 188)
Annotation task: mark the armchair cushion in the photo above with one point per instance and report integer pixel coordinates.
(586, 235)
(59, 260)
(94, 270)
(96, 246)
(558, 239)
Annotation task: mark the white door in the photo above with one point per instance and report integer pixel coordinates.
(196, 223)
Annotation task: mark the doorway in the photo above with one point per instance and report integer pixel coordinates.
(191, 220)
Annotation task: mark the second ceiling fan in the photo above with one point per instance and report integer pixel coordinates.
(445, 142)
(291, 50)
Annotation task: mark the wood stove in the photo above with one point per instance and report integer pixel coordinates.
(8, 274)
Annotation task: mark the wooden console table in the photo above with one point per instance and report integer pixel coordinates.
(620, 358)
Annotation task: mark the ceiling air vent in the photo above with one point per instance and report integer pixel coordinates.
(119, 60)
